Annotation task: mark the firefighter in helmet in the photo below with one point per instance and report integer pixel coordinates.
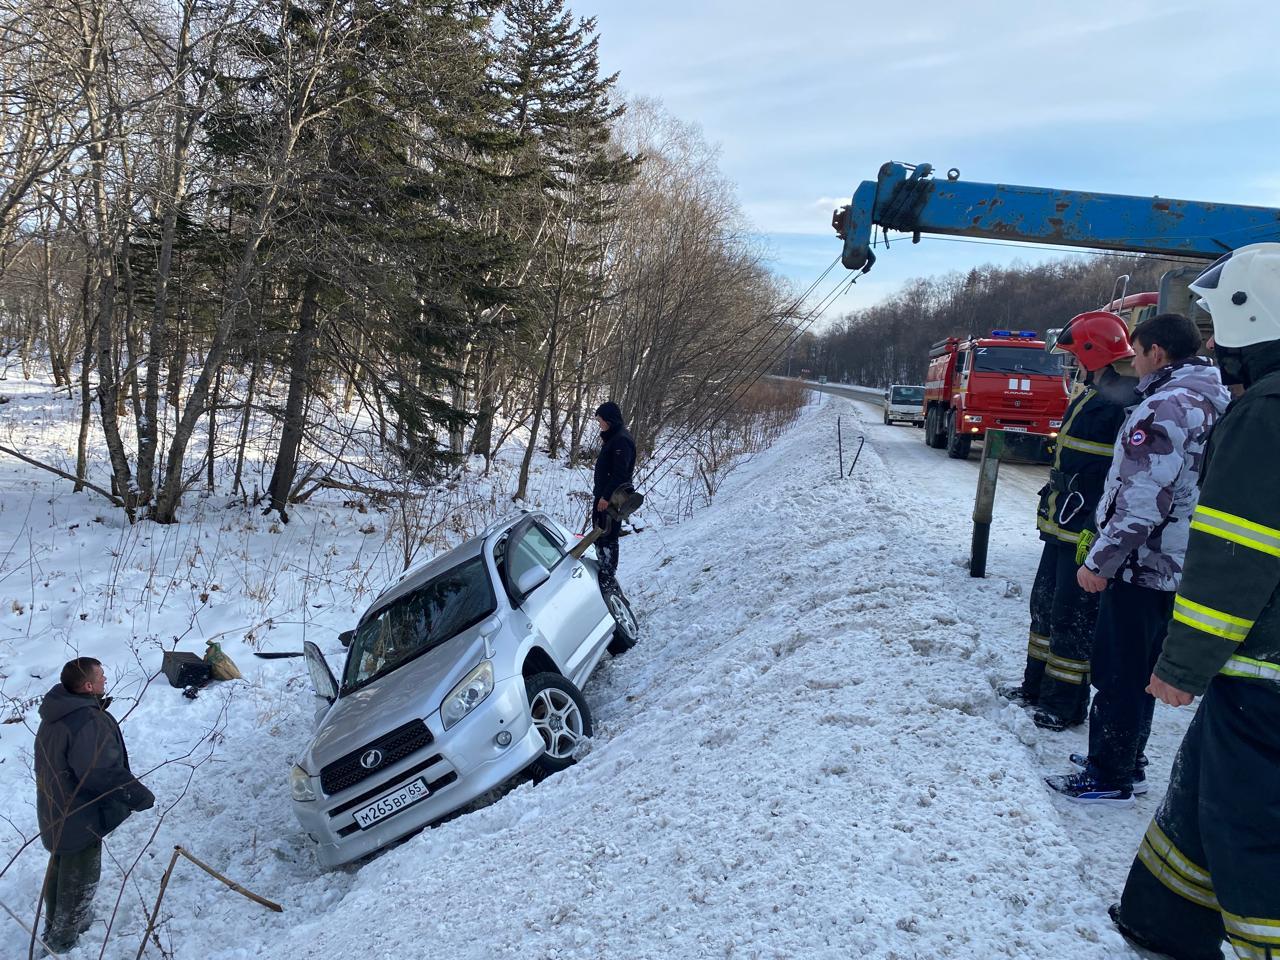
(1056, 678)
(1206, 869)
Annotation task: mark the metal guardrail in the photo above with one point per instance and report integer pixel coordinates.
(873, 394)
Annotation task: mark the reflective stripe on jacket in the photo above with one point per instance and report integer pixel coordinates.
(1226, 616)
(1081, 459)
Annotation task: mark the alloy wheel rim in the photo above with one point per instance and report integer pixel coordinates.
(558, 721)
(623, 616)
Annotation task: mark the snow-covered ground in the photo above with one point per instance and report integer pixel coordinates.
(804, 758)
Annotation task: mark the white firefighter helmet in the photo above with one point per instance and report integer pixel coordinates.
(1242, 293)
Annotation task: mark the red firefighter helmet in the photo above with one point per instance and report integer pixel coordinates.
(1097, 339)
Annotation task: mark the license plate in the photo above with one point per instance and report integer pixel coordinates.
(384, 807)
(1015, 429)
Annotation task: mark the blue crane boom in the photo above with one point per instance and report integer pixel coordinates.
(908, 199)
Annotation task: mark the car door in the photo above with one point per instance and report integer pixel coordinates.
(589, 609)
(323, 683)
(561, 608)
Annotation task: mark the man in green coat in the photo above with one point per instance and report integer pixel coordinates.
(1207, 867)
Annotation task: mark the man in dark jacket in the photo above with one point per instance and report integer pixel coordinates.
(84, 790)
(614, 467)
(1056, 678)
(1206, 868)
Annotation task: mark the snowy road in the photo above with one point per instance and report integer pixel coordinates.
(804, 758)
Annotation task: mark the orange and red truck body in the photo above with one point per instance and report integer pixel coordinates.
(1006, 381)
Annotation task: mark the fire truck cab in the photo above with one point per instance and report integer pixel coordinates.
(1007, 381)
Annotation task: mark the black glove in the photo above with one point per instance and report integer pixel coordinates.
(138, 797)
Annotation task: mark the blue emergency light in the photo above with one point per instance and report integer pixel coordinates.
(1013, 333)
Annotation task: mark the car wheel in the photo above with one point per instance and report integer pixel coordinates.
(561, 716)
(626, 631)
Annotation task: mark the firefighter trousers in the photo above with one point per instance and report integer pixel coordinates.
(1061, 636)
(1207, 865)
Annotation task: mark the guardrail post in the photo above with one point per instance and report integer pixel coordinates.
(984, 502)
(840, 446)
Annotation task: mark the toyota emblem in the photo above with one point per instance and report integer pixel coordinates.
(371, 759)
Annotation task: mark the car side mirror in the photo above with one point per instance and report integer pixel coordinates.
(532, 579)
(346, 636)
(488, 629)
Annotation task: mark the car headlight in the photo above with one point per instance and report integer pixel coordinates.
(1055, 423)
(466, 696)
(971, 418)
(300, 784)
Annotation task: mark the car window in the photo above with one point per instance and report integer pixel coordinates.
(410, 626)
(908, 395)
(533, 548)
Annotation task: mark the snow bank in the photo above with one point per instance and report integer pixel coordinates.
(804, 758)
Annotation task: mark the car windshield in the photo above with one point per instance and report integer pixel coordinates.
(907, 395)
(1027, 361)
(410, 626)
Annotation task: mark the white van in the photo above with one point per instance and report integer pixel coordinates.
(904, 404)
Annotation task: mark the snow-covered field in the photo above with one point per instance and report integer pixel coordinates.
(804, 758)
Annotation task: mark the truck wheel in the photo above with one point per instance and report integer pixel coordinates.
(957, 443)
(928, 427)
(887, 421)
(562, 717)
(935, 434)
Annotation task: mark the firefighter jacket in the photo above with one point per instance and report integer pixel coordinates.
(1082, 457)
(1145, 512)
(1226, 615)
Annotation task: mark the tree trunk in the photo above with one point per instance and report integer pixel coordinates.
(300, 354)
(482, 433)
(539, 404)
(244, 422)
(86, 391)
(213, 424)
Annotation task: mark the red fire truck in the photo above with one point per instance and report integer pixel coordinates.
(1006, 381)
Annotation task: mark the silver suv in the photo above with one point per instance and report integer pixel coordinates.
(459, 676)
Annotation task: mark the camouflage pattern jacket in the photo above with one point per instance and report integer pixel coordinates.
(1226, 616)
(1145, 513)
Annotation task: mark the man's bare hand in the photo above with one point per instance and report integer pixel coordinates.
(602, 505)
(1168, 693)
(1089, 581)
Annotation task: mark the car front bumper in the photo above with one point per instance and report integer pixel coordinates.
(458, 765)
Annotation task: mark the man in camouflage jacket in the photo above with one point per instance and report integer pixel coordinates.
(1143, 525)
(1207, 865)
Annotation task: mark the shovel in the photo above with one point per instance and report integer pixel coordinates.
(624, 502)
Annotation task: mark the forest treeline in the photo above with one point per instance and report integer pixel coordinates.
(436, 218)
(889, 343)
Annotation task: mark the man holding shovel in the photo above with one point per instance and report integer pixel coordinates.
(614, 467)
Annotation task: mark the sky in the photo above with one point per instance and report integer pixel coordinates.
(807, 99)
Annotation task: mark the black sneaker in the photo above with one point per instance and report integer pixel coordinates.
(1085, 787)
(1013, 691)
(1139, 772)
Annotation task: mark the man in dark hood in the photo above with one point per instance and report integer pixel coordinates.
(614, 467)
(84, 790)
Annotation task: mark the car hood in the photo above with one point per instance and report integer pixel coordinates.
(413, 691)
